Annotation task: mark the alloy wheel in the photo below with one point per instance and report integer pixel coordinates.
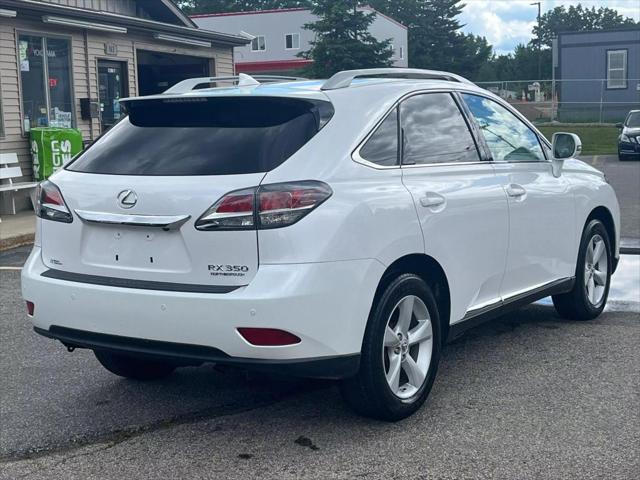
(595, 270)
(407, 346)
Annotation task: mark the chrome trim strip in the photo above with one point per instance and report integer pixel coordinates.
(447, 164)
(512, 298)
(166, 222)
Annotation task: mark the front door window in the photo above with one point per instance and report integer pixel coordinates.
(508, 138)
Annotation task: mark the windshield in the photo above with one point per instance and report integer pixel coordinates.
(633, 120)
(205, 136)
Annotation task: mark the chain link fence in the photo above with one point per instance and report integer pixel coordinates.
(569, 101)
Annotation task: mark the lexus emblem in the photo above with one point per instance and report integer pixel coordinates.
(127, 198)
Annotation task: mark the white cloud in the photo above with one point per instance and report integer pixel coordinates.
(505, 23)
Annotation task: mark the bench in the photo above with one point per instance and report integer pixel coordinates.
(9, 170)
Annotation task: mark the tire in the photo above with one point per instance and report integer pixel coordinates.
(369, 393)
(622, 157)
(136, 368)
(586, 301)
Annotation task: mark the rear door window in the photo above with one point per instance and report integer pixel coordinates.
(205, 136)
(434, 131)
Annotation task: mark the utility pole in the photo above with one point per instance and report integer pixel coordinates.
(539, 40)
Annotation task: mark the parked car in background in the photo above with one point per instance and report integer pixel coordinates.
(629, 139)
(341, 229)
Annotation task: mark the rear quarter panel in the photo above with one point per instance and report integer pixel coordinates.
(370, 214)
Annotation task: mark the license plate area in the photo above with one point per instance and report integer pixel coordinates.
(134, 248)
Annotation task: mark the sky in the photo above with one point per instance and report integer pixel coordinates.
(505, 23)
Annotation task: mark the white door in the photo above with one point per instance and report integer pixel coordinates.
(459, 200)
(541, 206)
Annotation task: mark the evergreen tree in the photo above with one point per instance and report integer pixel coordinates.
(342, 39)
(435, 40)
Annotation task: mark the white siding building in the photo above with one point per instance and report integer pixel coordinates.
(278, 37)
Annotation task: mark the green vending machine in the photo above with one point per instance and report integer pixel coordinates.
(51, 148)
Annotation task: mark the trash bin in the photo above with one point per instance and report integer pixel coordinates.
(51, 148)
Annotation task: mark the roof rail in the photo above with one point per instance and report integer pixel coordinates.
(242, 80)
(343, 79)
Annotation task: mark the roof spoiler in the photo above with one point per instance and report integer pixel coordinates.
(241, 80)
(343, 79)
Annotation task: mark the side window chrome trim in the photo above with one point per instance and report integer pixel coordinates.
(357, 158)
(448, 164)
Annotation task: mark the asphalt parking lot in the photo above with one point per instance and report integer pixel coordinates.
(526, 396)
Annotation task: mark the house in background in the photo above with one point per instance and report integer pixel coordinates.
(599, 74)
(65, 63)
(278, 36)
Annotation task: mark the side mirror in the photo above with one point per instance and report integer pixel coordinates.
(619, 125)
(565, 145)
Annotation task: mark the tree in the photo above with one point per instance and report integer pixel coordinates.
(576, 19)
(342, 40)
(471, 53)
(522, 63)
(192, 7)
(434, 36)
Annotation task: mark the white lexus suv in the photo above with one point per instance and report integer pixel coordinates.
(343, 229)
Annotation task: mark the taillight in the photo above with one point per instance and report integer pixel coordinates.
(268, 206)
(283, 204)
(30, 308)
(51, 204)
(234, 211)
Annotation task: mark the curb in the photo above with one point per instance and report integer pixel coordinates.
(17, 241)
(630, 246)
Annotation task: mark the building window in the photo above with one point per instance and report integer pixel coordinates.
(45, 78)
(617, 69)
(258, 44)
(292, 41)
(401, 52)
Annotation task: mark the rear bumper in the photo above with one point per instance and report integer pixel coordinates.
(342, 366)
(325, 304)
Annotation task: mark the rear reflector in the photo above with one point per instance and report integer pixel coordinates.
(268, 337)
(30, 308)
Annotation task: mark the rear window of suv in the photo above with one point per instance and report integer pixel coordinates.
(205, 136)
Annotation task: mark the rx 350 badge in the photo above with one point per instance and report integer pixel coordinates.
(227, 270)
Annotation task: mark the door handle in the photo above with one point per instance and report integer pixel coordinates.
(516, 191)
(432, 200)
